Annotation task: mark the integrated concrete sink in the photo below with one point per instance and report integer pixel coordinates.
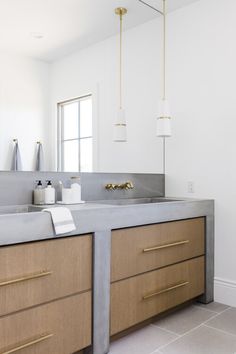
(22, 209)
(137, 201)
(18, 209)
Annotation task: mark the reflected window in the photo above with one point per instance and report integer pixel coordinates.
(75, 135)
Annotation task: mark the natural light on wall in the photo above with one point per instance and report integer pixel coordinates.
(75, 134)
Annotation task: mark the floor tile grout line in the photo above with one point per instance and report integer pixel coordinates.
(166, 330)
(156, 351)
(201, 305)
(218, 314)
(202, 308)
(220, 330)
(186, 333)
(180, 336)
(204, 324)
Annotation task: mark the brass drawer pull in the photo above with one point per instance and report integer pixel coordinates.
(29, 344)
(166, 290)
(179, 243)
(25, 278)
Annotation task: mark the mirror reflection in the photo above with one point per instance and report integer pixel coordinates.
(59, 86)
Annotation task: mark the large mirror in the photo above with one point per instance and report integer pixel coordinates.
(59, 84)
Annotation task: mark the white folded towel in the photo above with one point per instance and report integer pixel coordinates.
(62, 220)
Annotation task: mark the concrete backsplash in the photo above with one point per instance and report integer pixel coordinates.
(16, 187)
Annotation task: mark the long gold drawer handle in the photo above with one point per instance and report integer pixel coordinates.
(166, 246)
(29, 344)
(166, 290)
(25, 278)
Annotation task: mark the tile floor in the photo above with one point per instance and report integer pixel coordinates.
(196, 329)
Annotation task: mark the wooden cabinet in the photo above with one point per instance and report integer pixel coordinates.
(136, 299)
(31, 274)
(62, 326)
(45, 296)
(140, 249)
(155, 268)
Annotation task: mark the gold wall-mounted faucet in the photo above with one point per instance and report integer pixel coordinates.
(123, 186)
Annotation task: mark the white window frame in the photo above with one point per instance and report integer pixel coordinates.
(60, 139)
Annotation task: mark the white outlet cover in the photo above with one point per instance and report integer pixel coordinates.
(190, 187)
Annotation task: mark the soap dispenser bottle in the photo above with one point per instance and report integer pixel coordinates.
(39, 194)
(49, 193)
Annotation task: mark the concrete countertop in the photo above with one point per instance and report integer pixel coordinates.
(95, 217)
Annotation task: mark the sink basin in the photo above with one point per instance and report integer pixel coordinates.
(137, 201)
(18, 209)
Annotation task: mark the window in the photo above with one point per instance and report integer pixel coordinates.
(75, 135)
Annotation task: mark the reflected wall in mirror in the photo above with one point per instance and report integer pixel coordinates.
(60, 84)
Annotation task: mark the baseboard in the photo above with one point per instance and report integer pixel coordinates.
(225, 291)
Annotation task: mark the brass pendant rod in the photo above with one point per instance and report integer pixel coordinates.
(164, 50)
(151, 7)
(121, 11)
(121, 29)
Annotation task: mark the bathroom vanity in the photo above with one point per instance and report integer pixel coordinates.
(155, 268)
(129, 260)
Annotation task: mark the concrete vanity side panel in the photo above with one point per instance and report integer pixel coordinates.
(101, 292)
(209, 266)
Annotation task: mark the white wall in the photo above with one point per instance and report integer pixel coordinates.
(201, 90)
(24, 108)
(95, 69)
(201, 85)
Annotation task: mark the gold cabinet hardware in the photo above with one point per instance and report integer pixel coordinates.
(28, 344)
(177, 286)
(179, 243)
(25, 278)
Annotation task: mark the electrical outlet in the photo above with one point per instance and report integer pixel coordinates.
(190, 187)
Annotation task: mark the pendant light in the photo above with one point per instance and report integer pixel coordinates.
(120, 133)
(164, 117)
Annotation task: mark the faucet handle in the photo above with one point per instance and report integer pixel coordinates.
(129, 185)
(110, 186)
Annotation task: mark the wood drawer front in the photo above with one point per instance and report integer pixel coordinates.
(61, 327)
(34, 273)
(128, 306)
(182, 240)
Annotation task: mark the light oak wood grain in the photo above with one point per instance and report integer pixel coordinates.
(128, 258)
(128, 306)
(68, 262)
(68, 320)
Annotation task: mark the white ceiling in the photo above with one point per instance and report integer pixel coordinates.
(67, 25)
